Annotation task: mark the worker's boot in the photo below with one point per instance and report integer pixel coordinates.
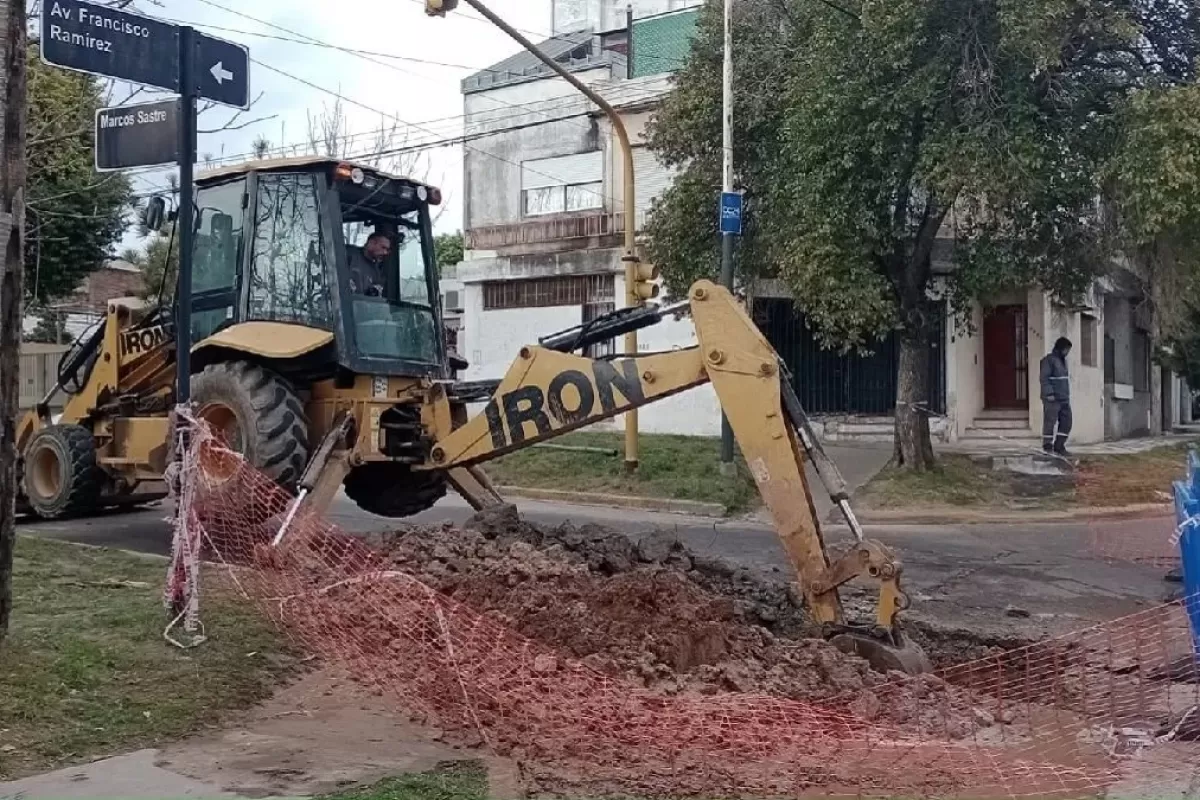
(1060, 446)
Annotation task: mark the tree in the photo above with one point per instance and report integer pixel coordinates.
(261, 147)
(448, 248)
(384, 148)
(13, 48)
(76, 214)
(866, 130)
(1155, 188)
(160, 265)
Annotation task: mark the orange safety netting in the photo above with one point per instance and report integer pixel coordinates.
(1108, 709)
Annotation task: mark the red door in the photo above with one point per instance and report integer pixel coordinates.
(1005, 358)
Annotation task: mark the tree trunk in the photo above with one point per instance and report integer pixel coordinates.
(12, 235)
(914, 448)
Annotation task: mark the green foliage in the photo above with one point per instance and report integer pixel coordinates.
(856, 137)
(161, 255)
(75, 213)
(448, 248)
(464, 780)
(1155, 180)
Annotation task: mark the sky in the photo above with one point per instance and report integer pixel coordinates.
(411, 80)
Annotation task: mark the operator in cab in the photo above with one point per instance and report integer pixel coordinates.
(366, 264)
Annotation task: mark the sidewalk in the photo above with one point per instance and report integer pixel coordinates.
(135, 776)
(1003, 446)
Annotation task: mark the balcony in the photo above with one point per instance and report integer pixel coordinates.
(558, 229)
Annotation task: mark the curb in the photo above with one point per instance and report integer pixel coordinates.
(966, 517)
(693, 508)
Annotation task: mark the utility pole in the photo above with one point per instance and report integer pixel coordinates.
(13, 113)
(726, 189)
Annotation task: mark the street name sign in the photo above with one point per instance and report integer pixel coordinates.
(731, 213)
(87, 37)
(142, 135)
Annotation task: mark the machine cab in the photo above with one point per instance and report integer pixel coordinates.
(324, 244)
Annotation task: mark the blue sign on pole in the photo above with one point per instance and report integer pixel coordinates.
(731, 213)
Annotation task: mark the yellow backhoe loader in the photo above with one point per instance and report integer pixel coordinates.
(327, 368)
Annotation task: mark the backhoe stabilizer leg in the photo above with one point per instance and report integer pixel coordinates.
(322, 478)
(474, 486)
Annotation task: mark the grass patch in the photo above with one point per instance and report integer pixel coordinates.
(86, 673)
(455, 780)
(956, 481)
(675, 467)
(1098, 482)
(1131, 479)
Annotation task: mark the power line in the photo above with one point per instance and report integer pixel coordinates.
(360, 104)
(284, 149)
(320, 42)
(366, 107)
(448, 142)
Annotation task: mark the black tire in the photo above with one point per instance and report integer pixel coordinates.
(60, 476)
(260, 415)
(394, 490)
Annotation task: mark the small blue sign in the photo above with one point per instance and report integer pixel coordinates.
(731, 213)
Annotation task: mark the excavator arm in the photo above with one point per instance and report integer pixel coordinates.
(547, 393)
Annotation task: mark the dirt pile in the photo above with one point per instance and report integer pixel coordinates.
(653, 611)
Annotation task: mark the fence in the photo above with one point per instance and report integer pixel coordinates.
(38, 372)
(479, 633)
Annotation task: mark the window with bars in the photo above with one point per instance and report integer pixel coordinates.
(592, 311)
(560, 199)
(1142, 361)
(1088, 326)
(560, 290)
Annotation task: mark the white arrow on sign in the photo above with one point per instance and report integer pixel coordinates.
(220, 73)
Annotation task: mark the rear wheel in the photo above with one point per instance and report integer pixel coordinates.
(60, 475)
(394, 490)
(258, 414)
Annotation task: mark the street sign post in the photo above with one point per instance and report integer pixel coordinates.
(87, 37)
(731, 213)
(142, 135)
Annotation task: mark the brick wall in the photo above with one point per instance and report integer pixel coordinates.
(103, 285)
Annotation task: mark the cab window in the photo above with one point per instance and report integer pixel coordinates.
(289, 281)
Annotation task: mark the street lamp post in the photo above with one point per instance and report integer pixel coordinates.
(629, 257)
(726, 188)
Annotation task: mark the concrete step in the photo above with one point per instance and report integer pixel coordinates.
(1003, 413)
(864, 429)
(1001, 438)
(1001, 424)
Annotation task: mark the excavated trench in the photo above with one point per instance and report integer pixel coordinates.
(672, 620)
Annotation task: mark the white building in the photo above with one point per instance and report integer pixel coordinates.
(543, 204)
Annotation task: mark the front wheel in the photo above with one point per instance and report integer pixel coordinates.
(258, 414)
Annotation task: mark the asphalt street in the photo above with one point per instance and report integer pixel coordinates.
(995, 579)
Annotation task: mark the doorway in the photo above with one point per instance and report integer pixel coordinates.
(1005, 358)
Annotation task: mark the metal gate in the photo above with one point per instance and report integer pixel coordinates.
(829, 382)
